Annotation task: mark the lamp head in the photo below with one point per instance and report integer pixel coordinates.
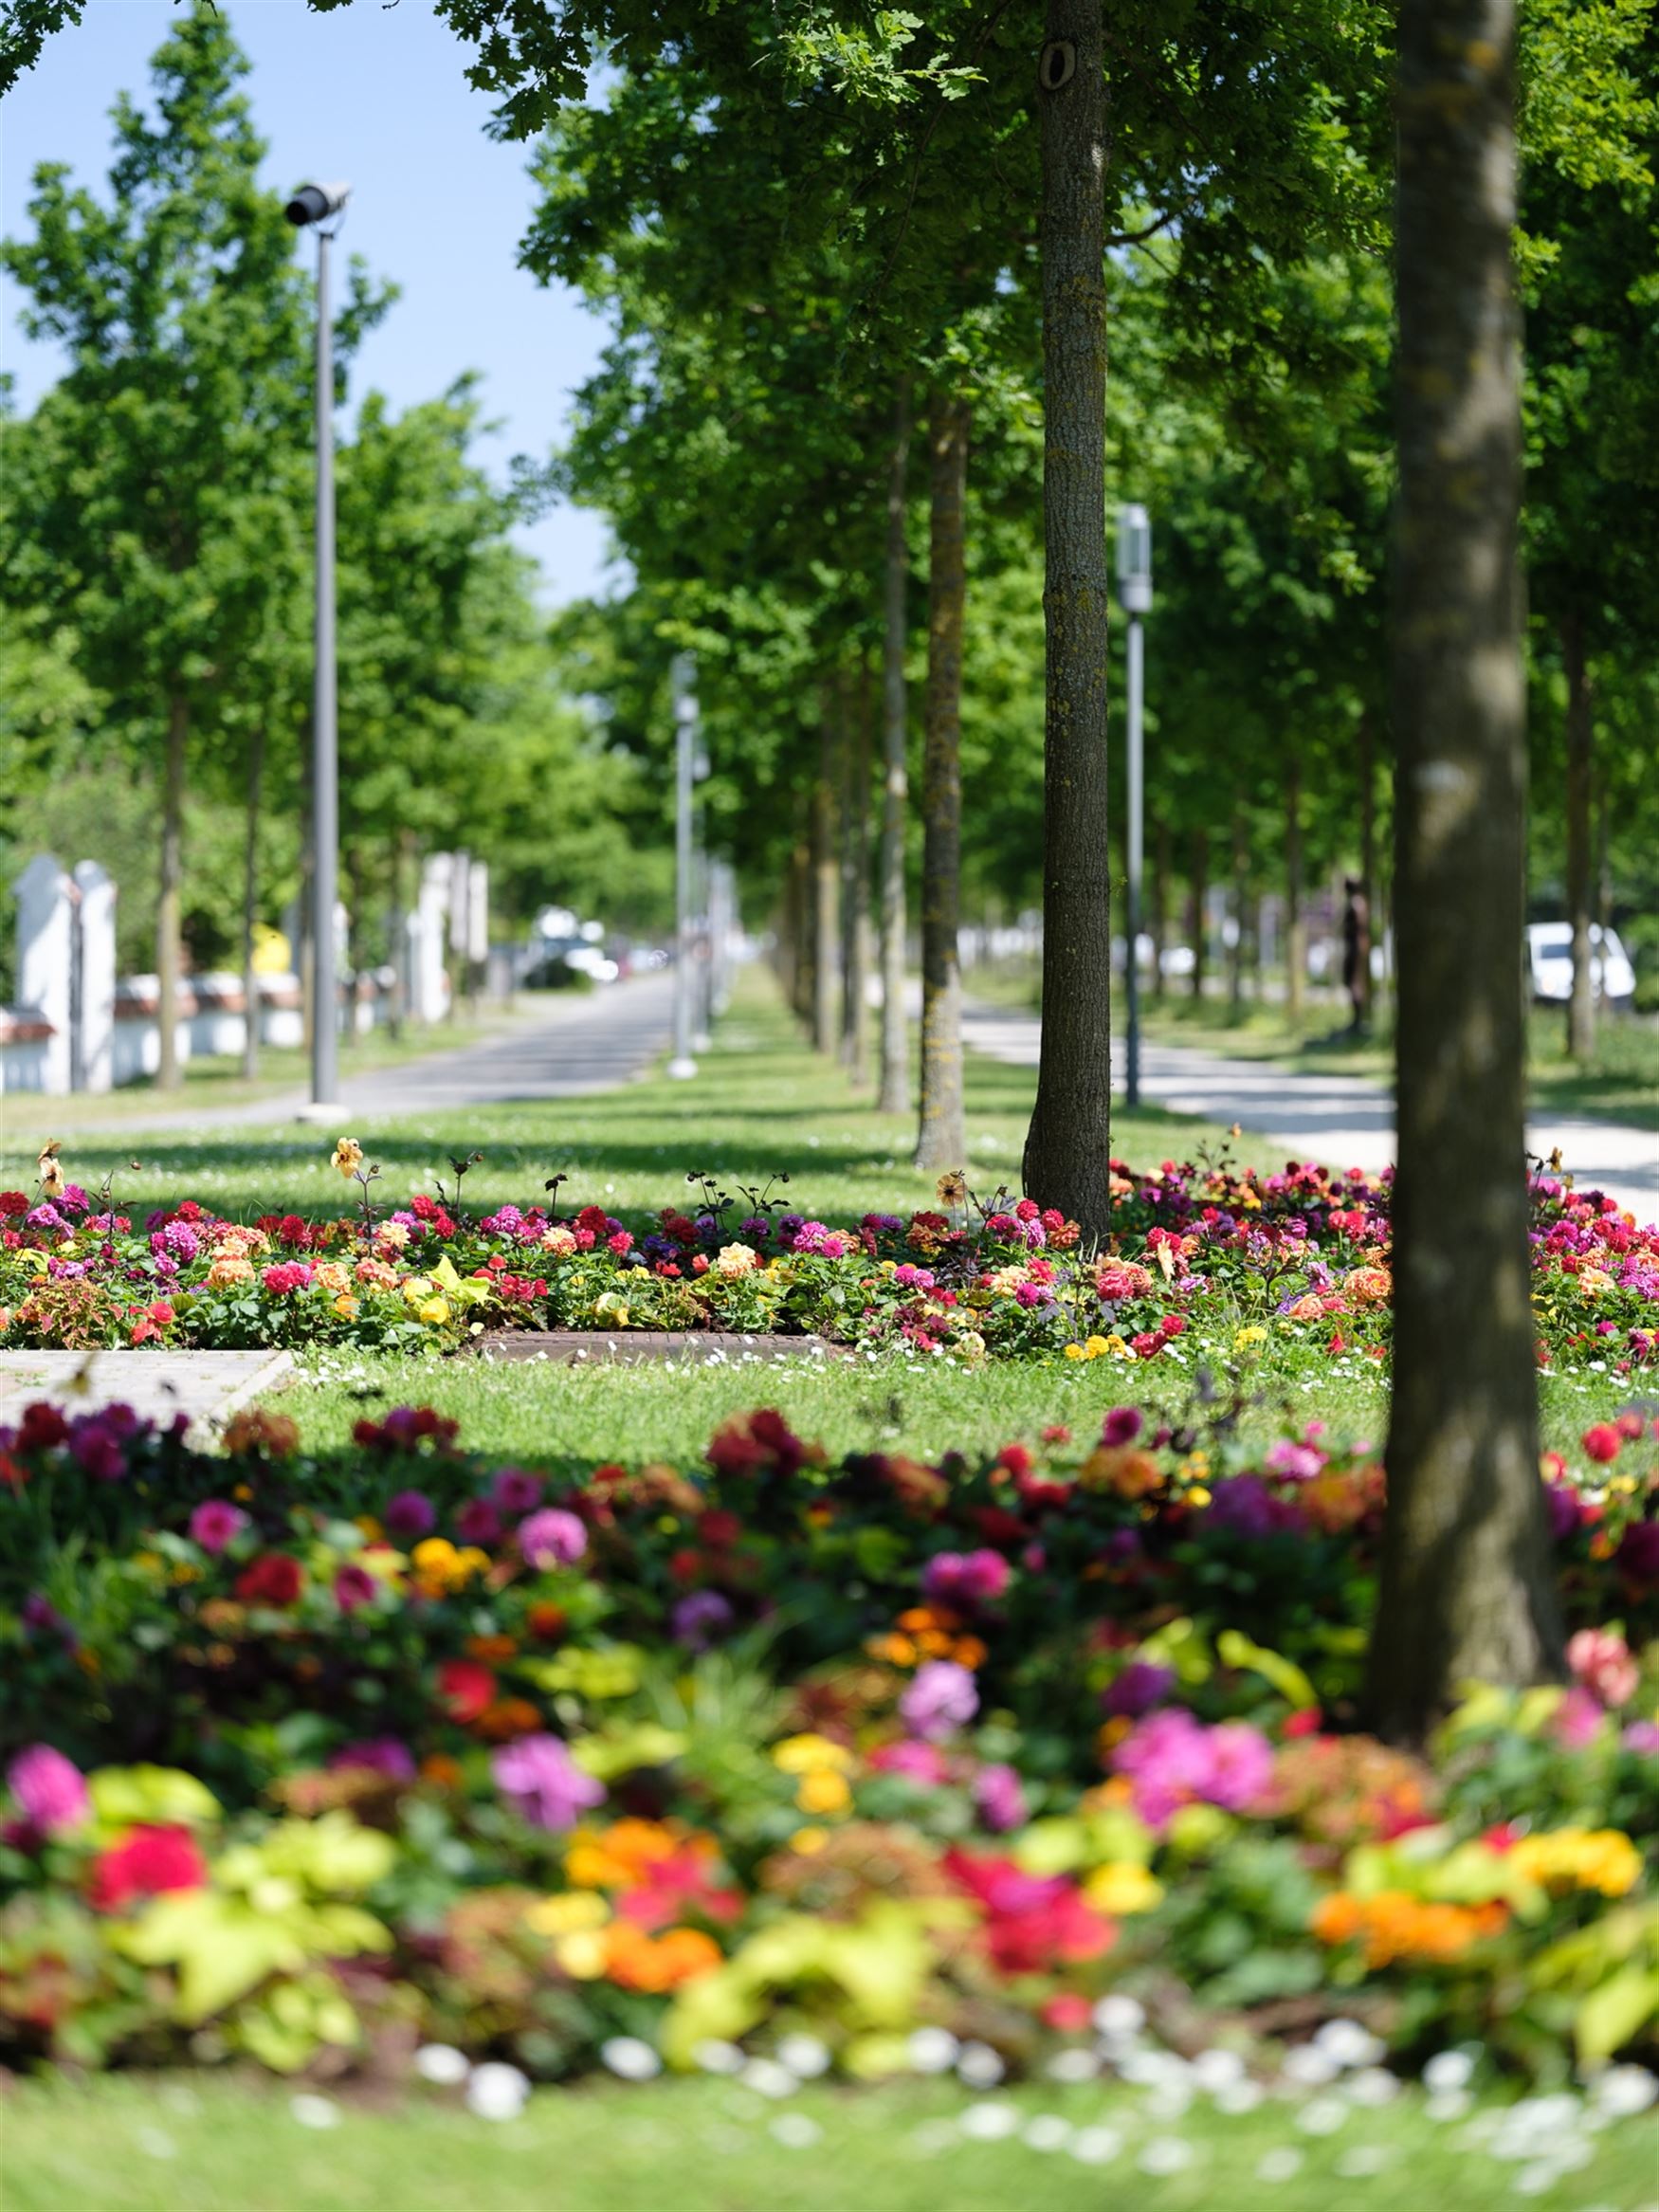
(312, 202)
(1135, 558)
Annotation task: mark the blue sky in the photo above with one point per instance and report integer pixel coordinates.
(375, 94)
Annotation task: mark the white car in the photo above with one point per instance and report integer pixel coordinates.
(1549, 953)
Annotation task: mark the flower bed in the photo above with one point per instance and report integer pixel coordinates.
(1233, 1262)
(311, 1757)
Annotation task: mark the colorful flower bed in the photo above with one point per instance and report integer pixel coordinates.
(311, 1758)
(1233, 1261)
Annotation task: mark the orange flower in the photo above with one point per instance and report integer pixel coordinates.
(1396, 1926)
(506, 1718)
(968, 1652)
(441, 1770)
(655, 1963)
(1121, 1470)
(494, 1651)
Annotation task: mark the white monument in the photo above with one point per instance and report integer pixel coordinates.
(428, 932)
(46, 960)
(95, 996)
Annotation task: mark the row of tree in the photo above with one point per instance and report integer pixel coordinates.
(156, 570)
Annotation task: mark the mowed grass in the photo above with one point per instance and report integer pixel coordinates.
(211, 2145)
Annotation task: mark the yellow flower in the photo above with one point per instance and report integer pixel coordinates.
(392, 1234)
(808, 1842)
(1075, 1352)
(348, 1156)
(559, 1240)
(823, 1791)
(571, 1915)
(224, 1271)
(584, 1955)
(1122, 1888)
(433, 1312)
(51, 1175)
(1246, 1337)
(952, 1189)
(1589, 1858)
(333, 1277)
(346, 1305)
(801, 1754)
(736, 1260)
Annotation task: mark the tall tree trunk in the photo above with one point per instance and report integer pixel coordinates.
(1068, 1146)
(1295, 924)
(250, 1015)
(1241, 909)
(801, 931)
(1161, 901)
(894, 1095)
(855, 885)
(825, 902)
(1200, 899)
(1467, 1590)
(1366, 749)
(169, 915)
(942, 1139)
(1581, 772)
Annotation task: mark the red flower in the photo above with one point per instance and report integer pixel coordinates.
(144, 1864)
(1033, 1922)
(465, 1689)
(12, 1202)
(719, 1528)
(1602, 1441)
(273, 1578)
(40, 1427)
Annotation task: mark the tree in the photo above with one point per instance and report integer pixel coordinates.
(1466, 1591)
(187, 325)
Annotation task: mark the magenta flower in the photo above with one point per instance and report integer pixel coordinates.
(380, 1755)
(410, 1515)
(353, 1586)
(215, 1524)
(478, 1522)
(1643, 1738)
(920, 1762)
(48, 1789)
(544, 1783)
(1173, 1760)
(1297, 1462)
(1241, 1767)
(699, 1618)
(1122, 1425)
(1000, 1800)
(551, 1538)
(1578, 1720)
(966, 1579)
(1137, 1689)
(940, 1698)
(514, 1492)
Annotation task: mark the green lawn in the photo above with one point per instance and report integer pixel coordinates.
(210, 2145)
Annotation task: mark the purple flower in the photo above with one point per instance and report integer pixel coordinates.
(1122, 1425)
(1643, 1738)
(1561, 1501)
(1000, 1800)
(1243, 1505)
(380, 1755)
(45, 1216)
(216, 1523)
(514, 1492)
(966, 1580)
(940, 1699)
(551, 1538)
(410, 1515)
(698, 1620)
(544, 1783)
(48, 1789)
(180, 1239)
(96, 1445)
(1137, 1689)
(353, 1586)
(1240, 1766)
(1638, 1551)
(478, 1522)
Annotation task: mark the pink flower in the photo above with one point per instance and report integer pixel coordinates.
(967, 1578)
(923, 1762)
(48, 1789)
(551, 1538)
(543, 1782)
(1601, 1660)
(1000, 1800)
(285, 1276)
(1601, 1441)
(1173, 1760)
(216, 1523)
(353, 1586)
(939, 1699)
(1297, 1462)
(1578, 1720)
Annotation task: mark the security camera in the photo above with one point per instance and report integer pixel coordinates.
(313, 201)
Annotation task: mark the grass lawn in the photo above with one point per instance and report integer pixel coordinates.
(209, 2145)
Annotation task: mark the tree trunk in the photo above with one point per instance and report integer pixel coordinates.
(1581, 771)
(1295, 927)
(1160, 903)
(1467, 1589)
(894, 1097)
(256, 763)
(1241, 907)
(855, 872)
(169, 914)
(1366, 749)
(1200, 898)
(1068, 1146)
(942, 1138)
(800, 914)
(825, 949)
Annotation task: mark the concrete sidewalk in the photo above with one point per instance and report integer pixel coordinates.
(1343, 1120)
(563, 1046)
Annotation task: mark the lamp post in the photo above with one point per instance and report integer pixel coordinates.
(310, 208)
(682, 1065)
(1135, 590)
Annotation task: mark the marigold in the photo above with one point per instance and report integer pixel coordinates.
(1122, 1888)
(804, 1754)
(655, 1963)
(823, 1791)
(1604, 1859)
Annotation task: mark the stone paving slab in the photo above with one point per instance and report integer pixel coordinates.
(567, 1346)
(208, 1386)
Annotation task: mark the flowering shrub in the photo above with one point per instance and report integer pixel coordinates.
(305, 1754)
(1235, 1260)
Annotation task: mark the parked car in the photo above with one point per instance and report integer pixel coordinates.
(1549, 953)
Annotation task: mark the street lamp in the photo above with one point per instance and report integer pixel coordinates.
(1135, 590)
(311, 206)
(682, 1064)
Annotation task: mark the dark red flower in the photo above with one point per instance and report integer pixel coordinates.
(41, 1428)
(273, 1578)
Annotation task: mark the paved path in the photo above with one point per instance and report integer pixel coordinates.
(208, 1386)
(1342, 1119)
(561, 1045)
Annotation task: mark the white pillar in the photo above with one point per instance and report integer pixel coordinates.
(44, 955)
(478, 912)
(460, 901)
(429, 930)
(97, 1009)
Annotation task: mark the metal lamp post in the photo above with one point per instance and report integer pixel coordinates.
(310, 208)
(1135, 590)
(682, 1065)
